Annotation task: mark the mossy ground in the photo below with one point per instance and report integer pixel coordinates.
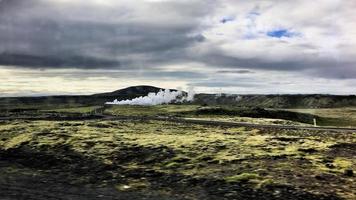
(170, 158)
(78, 109)
(193, 111)
(339, 117)
(332, 116)
(342, 117)
(133, 110)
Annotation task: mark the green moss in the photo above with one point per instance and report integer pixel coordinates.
(256, 140)
(332, 116)
(265, 183)
(342, 163)
(224, 113)
(130, 110)
(244, 177)
(17, 141)
(85, 109)
(192, 150)
(172, 165)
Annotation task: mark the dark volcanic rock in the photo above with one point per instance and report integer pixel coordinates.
(349, 172)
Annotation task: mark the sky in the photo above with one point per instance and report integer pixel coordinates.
(50, 47)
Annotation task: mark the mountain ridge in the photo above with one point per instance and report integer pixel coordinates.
(258, 100)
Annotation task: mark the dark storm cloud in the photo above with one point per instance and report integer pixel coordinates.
(54, 61)
(38, 34)
(112, 73)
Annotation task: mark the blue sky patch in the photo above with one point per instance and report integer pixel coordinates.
(279, 33)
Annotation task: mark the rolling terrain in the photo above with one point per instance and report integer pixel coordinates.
(263, 101)
(74, 147)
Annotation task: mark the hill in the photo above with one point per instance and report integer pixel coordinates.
(75, 100)
(140, 90)
(279, 101)
(263, 101)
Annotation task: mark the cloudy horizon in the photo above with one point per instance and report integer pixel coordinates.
(54, 47)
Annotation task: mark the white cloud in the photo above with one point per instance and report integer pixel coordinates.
(323, 24)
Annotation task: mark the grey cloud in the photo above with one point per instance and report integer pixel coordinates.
(336, 70)
(241, 71)
(247, 82)
(224, 84)
(220, 59)
(112, 73)
(183, 75)
(310, 65)
(46, 40)
(55, 61)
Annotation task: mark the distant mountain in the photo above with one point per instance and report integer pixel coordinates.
(140, 90)
(263, 101)
(77, 100)
(278, 101)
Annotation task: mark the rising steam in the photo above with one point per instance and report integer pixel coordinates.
(162, 97)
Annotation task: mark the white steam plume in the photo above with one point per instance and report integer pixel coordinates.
(162, 97)
(191, 93)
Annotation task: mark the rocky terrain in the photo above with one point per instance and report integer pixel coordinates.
(165, 160)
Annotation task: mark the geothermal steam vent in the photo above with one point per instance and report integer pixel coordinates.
(162, 97)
